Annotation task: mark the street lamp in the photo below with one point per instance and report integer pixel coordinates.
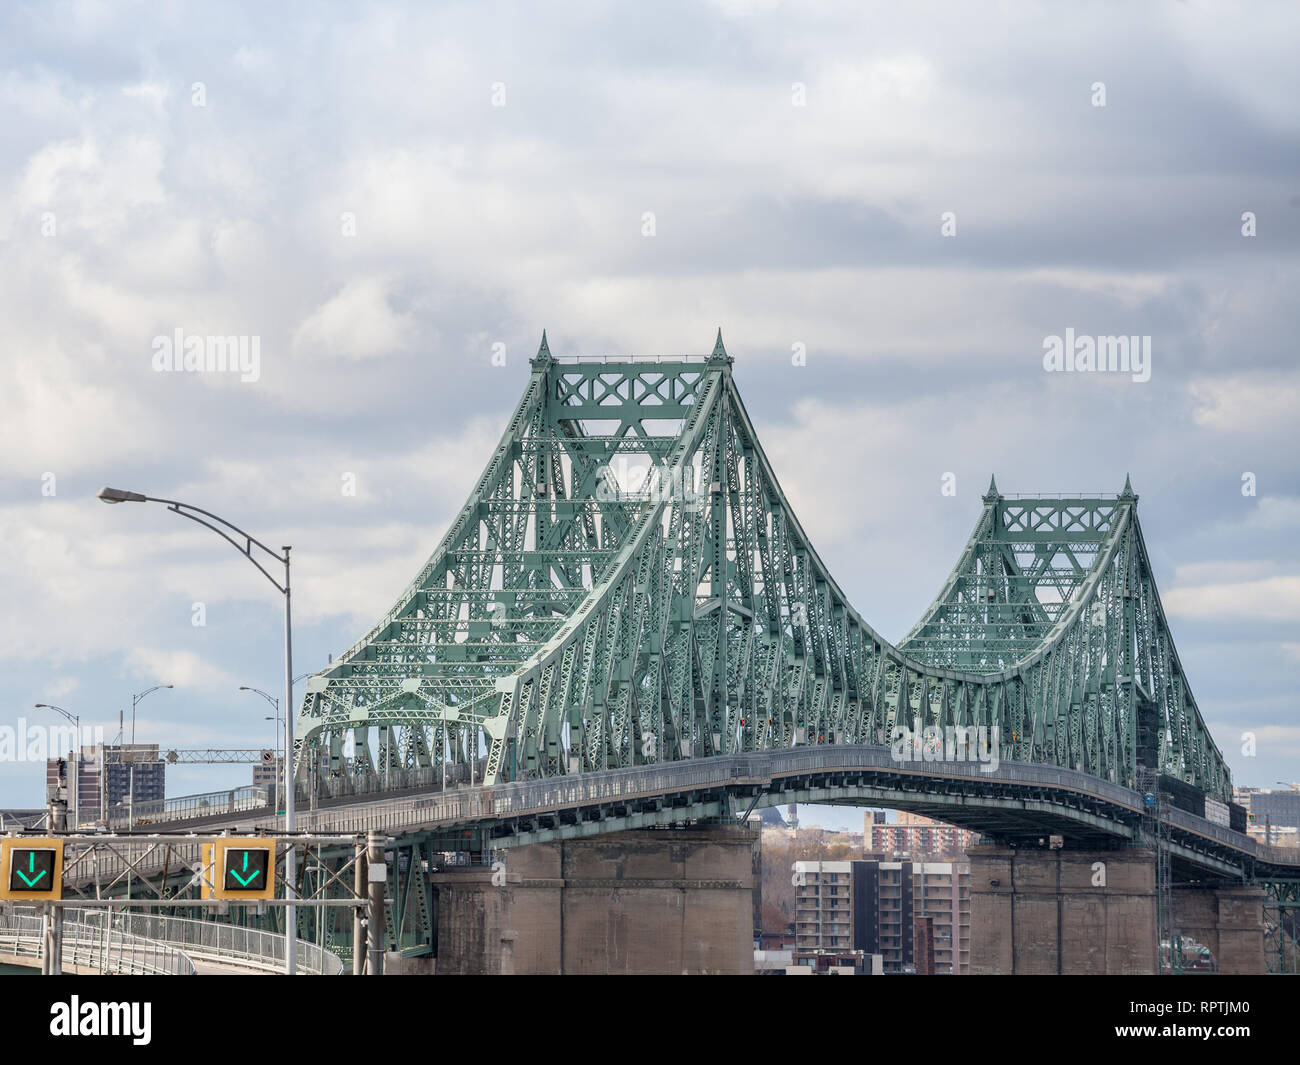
(276, 704)
(76, 761)
(244, 544)
(135, 699)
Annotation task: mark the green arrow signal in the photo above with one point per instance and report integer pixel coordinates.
(251, 877)
(31, 868)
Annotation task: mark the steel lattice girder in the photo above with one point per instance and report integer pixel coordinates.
(628, 584)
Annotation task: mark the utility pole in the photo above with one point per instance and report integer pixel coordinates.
(244, 544)
(377, 875)
(52, 940)
(359, 914)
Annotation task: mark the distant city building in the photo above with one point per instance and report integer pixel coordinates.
(914, 836)
(1270, 809)
(110, 773)
(1276, 835)
(872, 906)
(268, 774)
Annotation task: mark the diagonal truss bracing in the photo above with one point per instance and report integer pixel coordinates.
(629, 585)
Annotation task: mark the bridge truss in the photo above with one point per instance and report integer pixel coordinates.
(628, 585)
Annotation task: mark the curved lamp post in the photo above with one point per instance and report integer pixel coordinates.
(275, 703)
(76, 761)
(244, 544)
(135, 699)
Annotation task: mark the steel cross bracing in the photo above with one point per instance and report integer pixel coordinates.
(628, 585)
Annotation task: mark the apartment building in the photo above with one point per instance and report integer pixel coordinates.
(873, 906)
(914, 836)
(824, 907)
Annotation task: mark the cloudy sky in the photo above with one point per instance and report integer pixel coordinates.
(915, 196)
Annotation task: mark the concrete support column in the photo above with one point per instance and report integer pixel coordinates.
(1228, 919)
(1048, 912)
(643, 901)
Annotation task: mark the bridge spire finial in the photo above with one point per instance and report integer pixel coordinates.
(992, 495)
(543, 352)
(1128, 492)
(719, 351)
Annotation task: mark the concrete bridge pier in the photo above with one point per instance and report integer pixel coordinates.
(1058, 911)
(1228, 919)
(641, 901)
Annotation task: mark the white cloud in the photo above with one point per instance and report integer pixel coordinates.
(93, 187)
(1269, 599)
(1223, 571)
(1275, 512)
(1246, 403)
(356, 323)
(153, 94)
(58, 687)
(184, 669)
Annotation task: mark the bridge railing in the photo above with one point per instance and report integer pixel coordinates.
(93, 946)
(184, 807)
(213, 940)
(505, 800)
(1263, 851)
(466, 806)
(145, 942)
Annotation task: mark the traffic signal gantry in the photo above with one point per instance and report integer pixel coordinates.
(221, 869)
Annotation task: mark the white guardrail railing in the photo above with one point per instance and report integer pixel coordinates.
(213, 941)
(92, 947)
(129, 943)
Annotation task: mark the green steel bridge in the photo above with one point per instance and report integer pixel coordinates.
(628, 585)
(626, 626)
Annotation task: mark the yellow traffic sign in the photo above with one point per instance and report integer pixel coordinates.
(239, 869)
(31, 869)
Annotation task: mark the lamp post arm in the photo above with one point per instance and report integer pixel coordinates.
(245, 549)
(73, 718)
(258, 691)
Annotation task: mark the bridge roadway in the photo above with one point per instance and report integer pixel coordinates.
(1017, 803)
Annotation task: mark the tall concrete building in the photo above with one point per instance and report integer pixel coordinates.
(873, 906)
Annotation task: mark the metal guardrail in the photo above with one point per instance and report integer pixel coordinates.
(135, 943)
(232, 800)
(215, 941)
(97, 947)
(1262, 851)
